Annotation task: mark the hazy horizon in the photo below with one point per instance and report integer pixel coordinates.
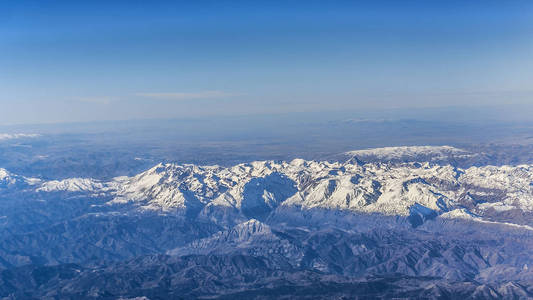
(66, 61)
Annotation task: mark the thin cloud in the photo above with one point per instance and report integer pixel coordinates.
(188, 96)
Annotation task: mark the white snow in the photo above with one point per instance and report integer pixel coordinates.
(72, 185)
(464, 214)
(8, 179)
(391, 153)
(386, 188)
(10, 136)
(390, 189)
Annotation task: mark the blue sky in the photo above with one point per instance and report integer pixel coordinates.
(111, 60)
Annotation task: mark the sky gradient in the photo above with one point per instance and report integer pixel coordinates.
(63, 61)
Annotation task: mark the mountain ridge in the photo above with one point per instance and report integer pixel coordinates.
(457, 231)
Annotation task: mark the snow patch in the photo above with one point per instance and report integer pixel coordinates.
(395, 153)
(72, 185)
(11, 136)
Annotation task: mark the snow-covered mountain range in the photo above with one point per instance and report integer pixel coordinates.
(254, 190)
(403, 210)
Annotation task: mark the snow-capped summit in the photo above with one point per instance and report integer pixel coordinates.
(251, 226)
(73, 185)
(10, 136)
(170, 186)
(241, 235)
(4, 174)
(10, 180)
(410, 153)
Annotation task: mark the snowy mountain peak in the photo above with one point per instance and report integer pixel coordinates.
(241, 235)
(4, 174)
(10, 136)
(410, 153)
(10, 180)
(73, 185)
(252, 226)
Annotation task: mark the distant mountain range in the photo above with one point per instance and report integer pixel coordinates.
(401, 222)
